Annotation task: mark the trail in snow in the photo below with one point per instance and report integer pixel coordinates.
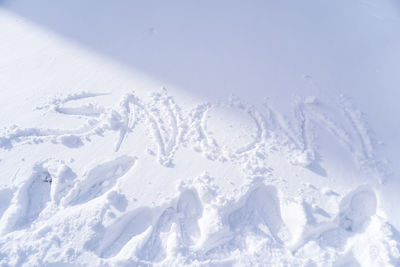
(199, 224)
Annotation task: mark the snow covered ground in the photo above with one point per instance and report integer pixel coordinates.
(213, 133)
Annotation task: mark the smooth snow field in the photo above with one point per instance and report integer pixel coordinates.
(200, 133)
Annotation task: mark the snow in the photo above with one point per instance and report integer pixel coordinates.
(175, 133)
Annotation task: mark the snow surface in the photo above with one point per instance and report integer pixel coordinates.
(213, 133)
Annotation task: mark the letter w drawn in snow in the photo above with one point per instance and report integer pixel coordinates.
(351, 131)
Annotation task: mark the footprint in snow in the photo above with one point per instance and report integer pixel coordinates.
(184, 212)
(152, 248)
(108, 242)
(356, 209)
(28, 202)
(99, 180)
(355, 212)
(186, 215)
(6, 195)
(260, 213)
(189, 210)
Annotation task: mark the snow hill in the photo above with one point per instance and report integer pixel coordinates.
(212, 133)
